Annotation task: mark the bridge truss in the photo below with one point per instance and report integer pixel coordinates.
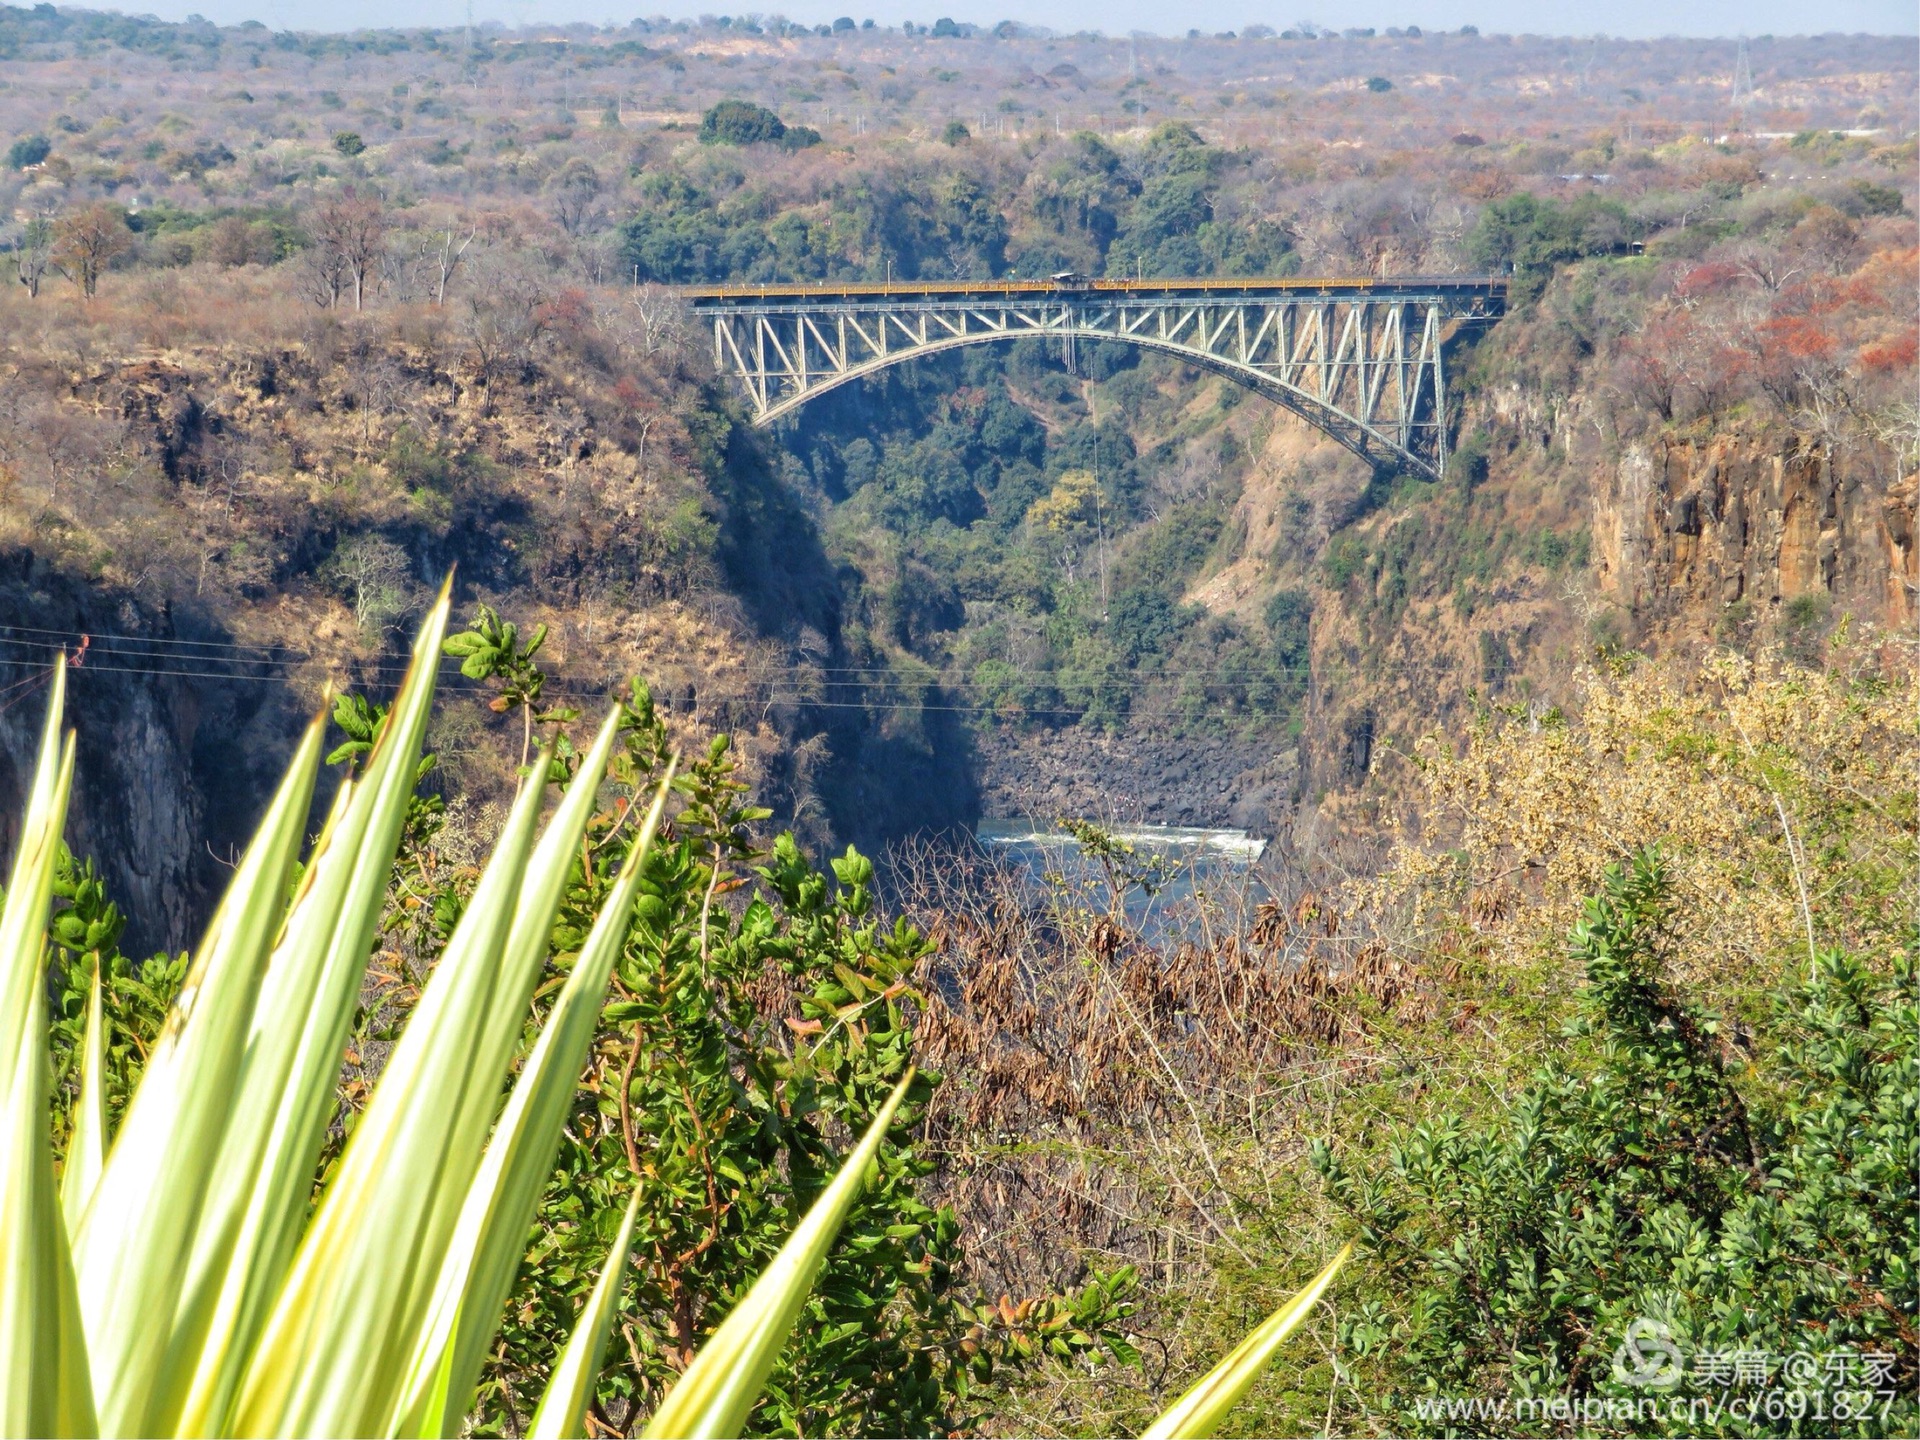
(1364, 360)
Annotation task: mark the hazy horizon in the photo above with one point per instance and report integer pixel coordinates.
(1625, 19)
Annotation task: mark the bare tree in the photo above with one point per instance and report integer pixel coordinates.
(574, 197)
(371, 574)
(1765, 266)
(1827, 239)
(353, 229)
(505, 315)
(447, 255)
(32, 253)
(320, 276)
(648, 320)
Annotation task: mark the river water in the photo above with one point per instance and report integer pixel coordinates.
(1175, 864)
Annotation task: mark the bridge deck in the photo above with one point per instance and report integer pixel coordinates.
(1457, 287)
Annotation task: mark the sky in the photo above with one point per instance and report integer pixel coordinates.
(1635, 19)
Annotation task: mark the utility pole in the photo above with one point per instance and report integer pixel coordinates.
(1743, 86)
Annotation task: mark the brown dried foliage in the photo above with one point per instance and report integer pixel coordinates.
(1103, 1077)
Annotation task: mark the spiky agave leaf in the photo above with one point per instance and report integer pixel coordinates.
(570, 1387)
(44, 1384)
(1200, 1411)
(87, 1144)
(131, 1251)
(262, 1178)
(329, 1360)
(336, 1351)
(486, 1250)
(715, 1393)
(493, 1043)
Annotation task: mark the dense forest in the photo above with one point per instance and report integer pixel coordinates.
(1575, 985)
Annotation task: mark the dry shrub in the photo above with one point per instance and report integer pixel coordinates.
(1113, 1094)
(1782, 796)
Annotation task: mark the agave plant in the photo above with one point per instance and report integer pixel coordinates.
(185, 1281)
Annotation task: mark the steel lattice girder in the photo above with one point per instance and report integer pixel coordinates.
(1362, 360)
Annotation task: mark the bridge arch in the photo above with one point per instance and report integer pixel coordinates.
(1369, 444)
(1362, 361)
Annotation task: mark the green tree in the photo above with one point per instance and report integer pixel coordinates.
(28, 150)
(741, 122)
(1534, 237)
(1289, 617)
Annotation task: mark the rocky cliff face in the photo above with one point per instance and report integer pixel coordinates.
(171, 765)
(1682, 531)
(1494, 585)
(1214, 782)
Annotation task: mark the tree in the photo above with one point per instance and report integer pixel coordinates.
(505, 315)
(1069, 516)
(231, 243)
(28, 150)
(1535, 237)
(1827, 238)
(348, 143)
(87, 241)
(574, 196)
(371, 573)
(447, 255)
(32, 253)
(1289, 617)
(321, 276)
(349, 230)
(648, 320)
(740, 122)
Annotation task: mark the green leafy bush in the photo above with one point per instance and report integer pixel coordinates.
(1535, 237)
(28, 150)
(1667, 1174)
(741, 122)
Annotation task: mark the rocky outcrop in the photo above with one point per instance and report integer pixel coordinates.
(1683, 530)
(1083, 774)
(174, 754)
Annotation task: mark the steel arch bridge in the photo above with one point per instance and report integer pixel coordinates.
(1361, 359)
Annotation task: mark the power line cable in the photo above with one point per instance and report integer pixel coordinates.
(885, 675)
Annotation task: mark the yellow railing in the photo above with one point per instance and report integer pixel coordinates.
(909, 289)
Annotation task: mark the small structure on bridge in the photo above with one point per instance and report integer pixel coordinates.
(1364, 360)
